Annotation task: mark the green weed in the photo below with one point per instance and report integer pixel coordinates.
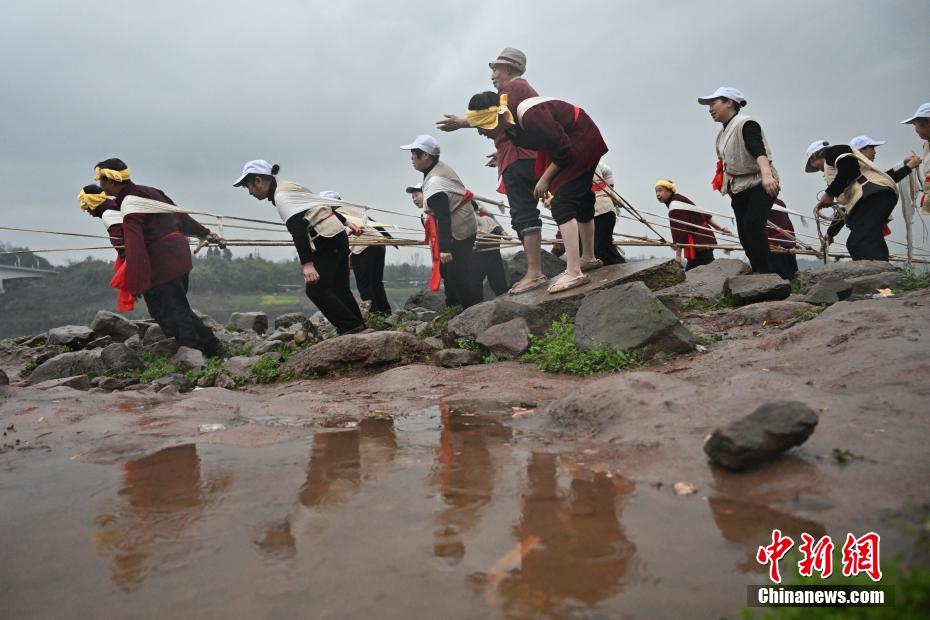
(913, 280)
(266, 370)
(721, 303)
(557, 352)
(157, 368)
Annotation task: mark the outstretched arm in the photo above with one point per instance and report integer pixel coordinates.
(451, 122)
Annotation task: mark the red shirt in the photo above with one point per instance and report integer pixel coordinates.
(697, 226)
(573, 144)
(156, 249)
(516, 90)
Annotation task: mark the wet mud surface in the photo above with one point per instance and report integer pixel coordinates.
(422, 492)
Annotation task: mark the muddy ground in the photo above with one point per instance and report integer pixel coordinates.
(423, 491)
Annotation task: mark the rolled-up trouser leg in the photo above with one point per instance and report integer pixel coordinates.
(520, 183)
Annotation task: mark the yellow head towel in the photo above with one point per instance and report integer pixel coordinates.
(114, 175)
(490, 117)
(89, 202)
(669, 185)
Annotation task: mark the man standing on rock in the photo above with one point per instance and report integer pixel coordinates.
(692, 228)
(450, 204)
(515, 166)
(95, 202)
(158, 258)
(921, 122)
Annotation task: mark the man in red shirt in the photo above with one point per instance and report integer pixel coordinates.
(158, 257)
(515, 166)
(569, 146)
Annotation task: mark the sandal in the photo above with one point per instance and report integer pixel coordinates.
(524, 286)
(566, 282)
(589, 265)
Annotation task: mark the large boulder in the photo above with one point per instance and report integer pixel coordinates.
(756, 287)
(768, 312)
(864, 287)
(843, 270)
(506, 340)
(357, 351)
(453, 358)
(116, 326)
(515, 265)
(762, 435)
(706, 282)
(426, 299)
(118, 357)
(655, 274)
(77, 382)
(73, 336)
(254, 321)
(828, 291)
(479, 318)
(68, 365)
(188, 359)
(630, 317)
(291, 318)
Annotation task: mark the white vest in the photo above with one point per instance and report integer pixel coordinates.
(292, 198)
(868, 173)
(111, 217)
(740, 169)
(443, 179)
(356, 215)
(602, 200)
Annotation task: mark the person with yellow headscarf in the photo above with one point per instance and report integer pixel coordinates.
(158, 257)
(95, 202)
(568, 147)
(691, 227)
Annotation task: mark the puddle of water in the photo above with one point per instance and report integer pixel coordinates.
(437, 512)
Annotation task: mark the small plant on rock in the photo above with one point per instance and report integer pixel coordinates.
(157, 368)
(913, 280)
(266, 370)
(557, 352)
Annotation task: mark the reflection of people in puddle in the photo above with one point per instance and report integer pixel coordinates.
(339, 463)
(578, 553)
(164, 497)
(465, 475)
(743, 510)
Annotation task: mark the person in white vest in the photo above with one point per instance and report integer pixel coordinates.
(450, 203)
(367, 260)
(744, 172)
(863, 192)
(319, 235)
(866, 145)
(921, 122)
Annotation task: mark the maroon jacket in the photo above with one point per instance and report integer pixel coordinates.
(564, 133)
(680, 231)
(780, 219)
(516, 90)
(156, 248)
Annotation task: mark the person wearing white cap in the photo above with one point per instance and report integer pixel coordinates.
(515, 166)
(864, 193)
(866, 145)
(450, 203)
(367, 260)
(745, 172)
(319, 235)
(921, 122)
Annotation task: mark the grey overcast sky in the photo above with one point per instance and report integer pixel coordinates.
(185, 92)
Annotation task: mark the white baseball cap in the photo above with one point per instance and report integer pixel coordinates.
(922, 112)
(256, 166)
(816, 145)
(723, 91)
(860, 142)
(330, 194)
(425, 143)
(415, 188)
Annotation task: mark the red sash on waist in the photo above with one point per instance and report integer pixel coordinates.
(717, 183)
(599, 186)
(432, 238)
(542, 158)
(690, 250)
(125, 301)
(885, 230)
